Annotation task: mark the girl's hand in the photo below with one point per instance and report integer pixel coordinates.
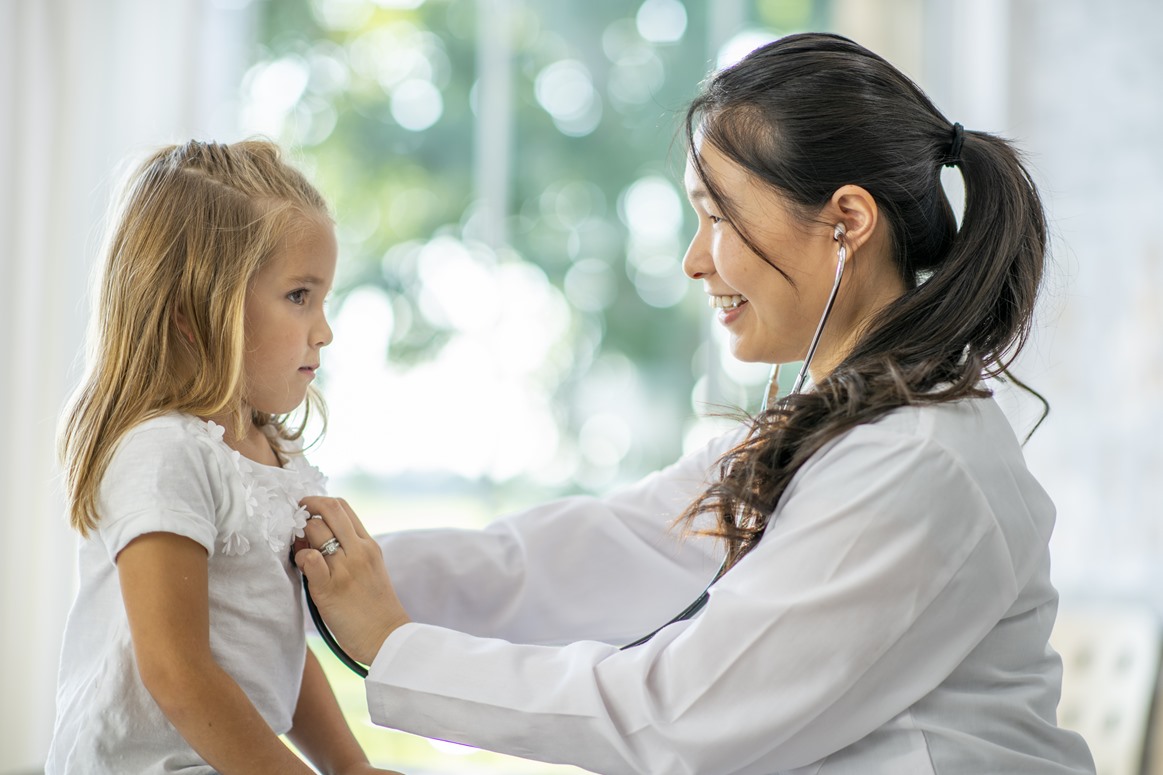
(350, 586)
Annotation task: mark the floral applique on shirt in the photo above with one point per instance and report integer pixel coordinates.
(271, 495)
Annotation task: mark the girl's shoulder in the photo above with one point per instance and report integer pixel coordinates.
(169, 447)
(165, 475)
(168, 431)
(172, 450)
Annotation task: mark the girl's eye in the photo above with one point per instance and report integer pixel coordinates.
(298, 297)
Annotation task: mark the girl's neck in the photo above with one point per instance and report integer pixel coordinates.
(252, 444)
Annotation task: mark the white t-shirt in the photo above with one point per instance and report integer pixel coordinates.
(893, 620)
(174, 474)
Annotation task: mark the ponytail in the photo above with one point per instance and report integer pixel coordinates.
(980, 296)
(806, 115)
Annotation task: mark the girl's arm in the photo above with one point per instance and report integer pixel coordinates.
(319, 729)
(164, 585)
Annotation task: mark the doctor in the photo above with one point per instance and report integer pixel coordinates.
(886, 600)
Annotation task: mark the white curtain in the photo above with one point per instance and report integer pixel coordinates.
(83, 83)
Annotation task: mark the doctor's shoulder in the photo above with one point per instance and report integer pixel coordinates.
(958, 458)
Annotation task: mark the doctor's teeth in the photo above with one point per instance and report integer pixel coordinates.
(725, 302)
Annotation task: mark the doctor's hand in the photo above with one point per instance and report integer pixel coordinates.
(349, 585)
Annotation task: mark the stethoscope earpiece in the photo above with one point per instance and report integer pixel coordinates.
(841, 259)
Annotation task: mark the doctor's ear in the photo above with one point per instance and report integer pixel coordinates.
(854, 214)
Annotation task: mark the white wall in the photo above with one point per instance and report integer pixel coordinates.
(82, 84)
(1085, 100)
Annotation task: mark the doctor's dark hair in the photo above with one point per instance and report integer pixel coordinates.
(804, 116)
(192, 226)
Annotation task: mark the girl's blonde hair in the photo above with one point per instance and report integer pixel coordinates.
(192, 226)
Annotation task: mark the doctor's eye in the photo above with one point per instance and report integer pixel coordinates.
(714, 219)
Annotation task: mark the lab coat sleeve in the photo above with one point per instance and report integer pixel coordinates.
(608, 569)
(884, 568)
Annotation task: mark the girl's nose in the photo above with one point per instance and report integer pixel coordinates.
(325, 334)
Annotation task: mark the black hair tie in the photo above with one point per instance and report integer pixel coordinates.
(955, 146)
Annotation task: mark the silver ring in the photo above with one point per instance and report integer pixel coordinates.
(329, 547)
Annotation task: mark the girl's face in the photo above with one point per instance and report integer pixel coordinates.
(286, 325)
(770, 318)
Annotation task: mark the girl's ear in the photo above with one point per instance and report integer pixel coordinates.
(183, 325)
(854, 207)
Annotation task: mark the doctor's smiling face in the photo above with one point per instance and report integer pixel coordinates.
(768, 267)
(769, 303)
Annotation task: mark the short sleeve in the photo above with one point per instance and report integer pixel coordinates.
(159, 480)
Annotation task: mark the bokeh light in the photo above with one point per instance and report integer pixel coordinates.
(565, 89)
(742, 44)
(416, 104)
(273, 90)
(590, 285)
(342, 14)
(652, 208)
(661, 21)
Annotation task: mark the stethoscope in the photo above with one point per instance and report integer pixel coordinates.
(691, 610)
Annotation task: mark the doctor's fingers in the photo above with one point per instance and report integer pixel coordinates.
(317, 535)
(338, 516)
(360, 530)
(356, 525)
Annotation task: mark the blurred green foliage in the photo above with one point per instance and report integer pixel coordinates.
(378, 98)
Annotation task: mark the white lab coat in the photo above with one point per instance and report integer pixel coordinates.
(894, 619)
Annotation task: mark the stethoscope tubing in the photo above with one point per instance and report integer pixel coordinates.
(327, 637)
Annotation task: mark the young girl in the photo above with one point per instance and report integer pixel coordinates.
(184, 650)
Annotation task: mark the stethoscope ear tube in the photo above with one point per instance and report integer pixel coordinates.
(841, 259)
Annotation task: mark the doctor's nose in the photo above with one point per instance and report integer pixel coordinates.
(697, 263)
